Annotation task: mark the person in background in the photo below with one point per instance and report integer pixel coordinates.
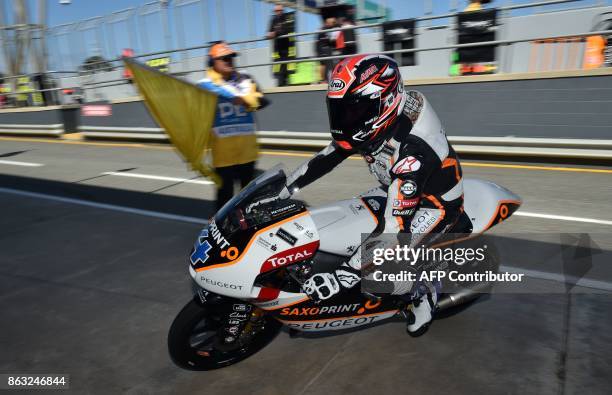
(475, 5)
(234, 145)
(346, 41)
(280, 27)
(326, 42)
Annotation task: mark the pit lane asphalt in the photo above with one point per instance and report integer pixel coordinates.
(91, 292)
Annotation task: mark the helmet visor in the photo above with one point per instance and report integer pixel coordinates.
(351, 119)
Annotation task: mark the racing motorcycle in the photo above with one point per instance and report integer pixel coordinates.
(248, 266)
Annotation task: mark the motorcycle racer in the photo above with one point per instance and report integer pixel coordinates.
(404, 144)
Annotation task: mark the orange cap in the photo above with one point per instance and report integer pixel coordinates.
(219, 50)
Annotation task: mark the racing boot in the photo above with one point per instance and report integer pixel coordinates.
(421, 312)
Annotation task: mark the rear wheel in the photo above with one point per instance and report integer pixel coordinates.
(197, 340)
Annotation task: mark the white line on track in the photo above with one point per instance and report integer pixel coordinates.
(161, 178)
(563, 218)
(148, 213)
(559, 278)
(16, 163)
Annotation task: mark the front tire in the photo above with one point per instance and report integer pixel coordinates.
(194, 340)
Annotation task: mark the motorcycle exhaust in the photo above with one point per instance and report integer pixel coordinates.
(463, 296)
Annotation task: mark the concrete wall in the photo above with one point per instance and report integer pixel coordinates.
(579, 107)
(36, 117)
(570, 107)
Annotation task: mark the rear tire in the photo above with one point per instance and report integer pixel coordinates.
(192, 321)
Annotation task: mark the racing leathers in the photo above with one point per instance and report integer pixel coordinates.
(420, 174)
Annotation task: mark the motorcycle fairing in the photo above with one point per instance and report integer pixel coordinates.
(341, 224)
(279, 244)
(487, 203)
(346, 310)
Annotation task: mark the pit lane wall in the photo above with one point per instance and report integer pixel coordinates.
(546, 105)
(569, 109)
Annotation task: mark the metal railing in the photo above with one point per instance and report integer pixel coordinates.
(85, 85)
(124, 15)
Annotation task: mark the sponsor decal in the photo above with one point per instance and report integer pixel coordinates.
(407, 165)
(267, 244)
(341, 323)
(233, 330)
(401, 213)
(336, 131)
(283, 209)
(309, 234)
(231, 253)
(286, 236)
(413, 106)
(200, 249)
(346, 278)
(356, 208)
(238, 315)
(220, 284)
(298, 226)
(368, 73)
(408, 188)
(362, 135)
(268, 304)
(422, 222)
(217, 236)
(350, 249)
(405, 203)
(374, 204)
(241, 307)
(302, 311)
(336, 85)
(290, 256)
(233, 322)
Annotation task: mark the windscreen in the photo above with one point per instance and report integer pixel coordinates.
(266, 186)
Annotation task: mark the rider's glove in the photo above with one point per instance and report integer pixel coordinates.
(321, 286)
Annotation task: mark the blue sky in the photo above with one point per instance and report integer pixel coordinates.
(67, 51)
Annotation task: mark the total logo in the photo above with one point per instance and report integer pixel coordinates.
(405, 203)
(291, 256)
(407, 165)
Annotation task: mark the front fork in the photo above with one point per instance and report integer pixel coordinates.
(238, 320)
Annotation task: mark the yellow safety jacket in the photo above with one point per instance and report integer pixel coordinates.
(234, 143)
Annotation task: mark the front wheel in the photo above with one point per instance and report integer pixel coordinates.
(196, 338)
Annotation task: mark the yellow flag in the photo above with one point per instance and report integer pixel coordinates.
(185, 111)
